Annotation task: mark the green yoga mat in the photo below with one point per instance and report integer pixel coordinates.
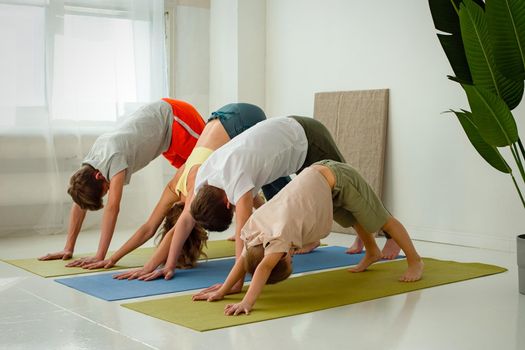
(137, 258)
(312, 292)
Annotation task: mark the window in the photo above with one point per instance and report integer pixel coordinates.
(89, 61)
(22, 69)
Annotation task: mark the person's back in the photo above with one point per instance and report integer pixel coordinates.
(271, 149)
(134, 143)
(298, 215)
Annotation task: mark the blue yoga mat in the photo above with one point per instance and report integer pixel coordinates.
(103, 286)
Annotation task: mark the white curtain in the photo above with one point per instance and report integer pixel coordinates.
(69, 71)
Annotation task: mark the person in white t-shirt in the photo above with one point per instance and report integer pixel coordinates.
(230, 179)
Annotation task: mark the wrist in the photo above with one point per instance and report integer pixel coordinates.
(100, 256)
(247, 303)
(169, 267)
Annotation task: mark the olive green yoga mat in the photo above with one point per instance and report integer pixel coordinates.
(312, 292)
(54, 268)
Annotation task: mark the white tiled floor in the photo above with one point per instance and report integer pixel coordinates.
(485, 313)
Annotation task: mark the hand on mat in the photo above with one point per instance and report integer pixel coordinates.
(166, 272)
(64, 255)
(237, 309)
(235, 289)
(210, 289)
(131, 274)
(209, 296)
(83, 261)
(103, 264)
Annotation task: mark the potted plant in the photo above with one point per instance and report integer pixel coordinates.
(484, 42)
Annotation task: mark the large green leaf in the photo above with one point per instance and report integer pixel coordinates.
(478, 49)
(506, 23)
(445, 16)
(491, 116)
(453, 47)
(490, 153)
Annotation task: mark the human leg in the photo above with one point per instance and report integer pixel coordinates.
(400, 236)
(307, 248)
(372, 251)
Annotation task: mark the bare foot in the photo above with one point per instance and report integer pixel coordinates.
(356, 248)
(390, 250)
(231, 238)
(414, 271)
(307, 248)
(369, 258)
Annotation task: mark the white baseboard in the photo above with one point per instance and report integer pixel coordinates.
(503, 243)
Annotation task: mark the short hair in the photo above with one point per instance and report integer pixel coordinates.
(85, 189)
(253, 258)
(193, 247)
(209, 210)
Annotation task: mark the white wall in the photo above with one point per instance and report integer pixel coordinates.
(252, 51)
(223, 53)
(237, 52)
(192, 56)
(435, 182)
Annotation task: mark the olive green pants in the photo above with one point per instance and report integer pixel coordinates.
(321, 144)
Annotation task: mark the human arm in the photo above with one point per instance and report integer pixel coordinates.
(262, 272)
(76, 218)
(258, 201)
(181, 232)
(109, 220)
(235, 276)
(243, 211)
(147, 230)
(157, 259)
(173, 247)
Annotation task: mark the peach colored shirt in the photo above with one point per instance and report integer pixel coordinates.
(301, 213)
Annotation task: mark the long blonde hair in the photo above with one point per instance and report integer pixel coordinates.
(193, 247)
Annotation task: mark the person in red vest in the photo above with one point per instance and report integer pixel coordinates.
(168, 127)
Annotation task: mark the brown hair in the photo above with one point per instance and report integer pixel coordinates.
(253, 258)
(209, 210)
(85, 189)
(193, 247)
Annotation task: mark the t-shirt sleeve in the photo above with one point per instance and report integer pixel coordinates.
(276, 245)
(118, 163)
(237, 189)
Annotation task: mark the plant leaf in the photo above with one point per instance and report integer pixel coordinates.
(478, 49)
(445, 16)
(491, 116)
(446, 20)
(490, 153)
(453, 47)
(506, 24)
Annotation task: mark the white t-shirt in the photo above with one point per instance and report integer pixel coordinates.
(269, 150)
